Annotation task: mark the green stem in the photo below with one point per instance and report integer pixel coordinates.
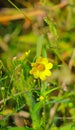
(18, 9)
(35, 115)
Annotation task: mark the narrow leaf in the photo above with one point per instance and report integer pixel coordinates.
(39, 46)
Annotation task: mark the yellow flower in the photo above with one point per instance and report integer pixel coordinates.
(41, 68)
(24, 55)
(41, 98)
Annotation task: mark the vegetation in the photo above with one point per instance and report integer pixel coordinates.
(37, 65)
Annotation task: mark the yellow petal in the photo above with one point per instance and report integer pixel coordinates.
(48, 73)
(42, 76)
(36, 74)
(49, 65)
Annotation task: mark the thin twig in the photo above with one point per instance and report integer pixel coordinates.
(19, 10)
(16, 16)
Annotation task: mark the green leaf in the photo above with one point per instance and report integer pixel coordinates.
(39, 46)
(4, 78)
(59, 101)
(28, 38)
(68, 127)
(49, 91)
(1, 64)
(37, 106)
(44, 53)
(19, 128)
(52, 27)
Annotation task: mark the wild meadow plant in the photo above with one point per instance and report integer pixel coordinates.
(29, 85)
(37, 83)
(32, 84)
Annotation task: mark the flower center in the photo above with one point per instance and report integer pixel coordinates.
(40, 67)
